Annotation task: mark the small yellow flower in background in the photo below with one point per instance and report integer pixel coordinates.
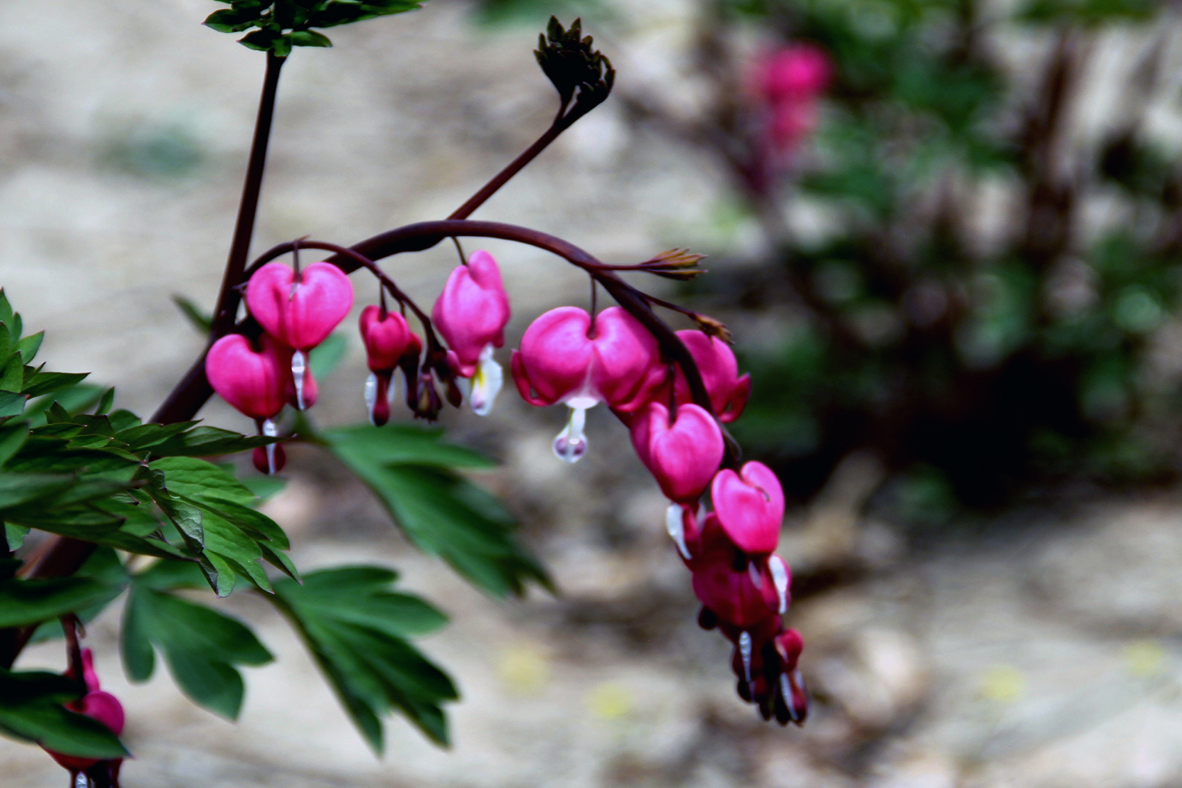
(1144, 658)
(609, 701)
(1002, 684)
(524, 669)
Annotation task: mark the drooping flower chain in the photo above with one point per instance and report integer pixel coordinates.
(567, 356)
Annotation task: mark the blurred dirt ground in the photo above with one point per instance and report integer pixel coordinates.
(1041, 651)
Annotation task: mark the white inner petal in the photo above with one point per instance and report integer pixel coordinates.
(271, 431)
(371, 394)
(675, 525)
(299, 367)
(786, 691)
(571, 443)
(780, 577)
(486, 382)
(755, 575)
(745, 654)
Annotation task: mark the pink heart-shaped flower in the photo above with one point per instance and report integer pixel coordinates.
(738, 591)
(472, 311)
(301, 318)
(682, 456)
(253, 381)
(385, 339)
(750, 507)
(559, 362)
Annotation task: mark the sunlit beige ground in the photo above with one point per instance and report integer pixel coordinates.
(1043, 655)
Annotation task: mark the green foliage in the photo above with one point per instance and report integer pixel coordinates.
(202, 647)
(358, 630)
(106, 478)
(278, 25)
(412, 471)
(31, 709)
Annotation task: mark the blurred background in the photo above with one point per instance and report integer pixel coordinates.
(947, 237)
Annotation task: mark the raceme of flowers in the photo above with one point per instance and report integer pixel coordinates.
(570, 357)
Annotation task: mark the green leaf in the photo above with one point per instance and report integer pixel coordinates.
(15, 536)
(356, 629)
(328, 354)
(201, 646)
(105, 403)
(104, 567)
(38, 383)
(439, 511)
(27, 602)
(202, 481)
(29, 346)
(31, 709)
(11, 404)
(309, 38)
(401, 444)
(202, 321)
(206, 442)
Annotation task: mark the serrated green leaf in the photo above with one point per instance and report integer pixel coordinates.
(328, 355)
(15, 535)
(104, 567)
(403, 444)
(202, 481)
(6, 314)
(207, 442)
(309, 38)
(356, 629)
(31, 709)
(439, 511)
(200, 645)
(38, 383)
(27, 602)
(105, 403)
(28, 346)
(11, 404)
(12, 373)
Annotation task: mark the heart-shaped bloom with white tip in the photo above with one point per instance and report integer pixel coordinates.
(683, 453)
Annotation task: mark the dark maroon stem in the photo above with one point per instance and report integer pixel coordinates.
(561, 123)
(223, 317)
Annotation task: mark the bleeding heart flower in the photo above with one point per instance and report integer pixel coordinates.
(683, 455)
(566, 357)
(386, 338)
(299, 313)
(253, 381)
(388, 342)
(740, 591)
(797, 71)
(98, 705)
(750, 507)
(720, 373)
(299, 310)
(471, 314)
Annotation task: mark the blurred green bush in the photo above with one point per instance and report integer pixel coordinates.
(975, 267)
